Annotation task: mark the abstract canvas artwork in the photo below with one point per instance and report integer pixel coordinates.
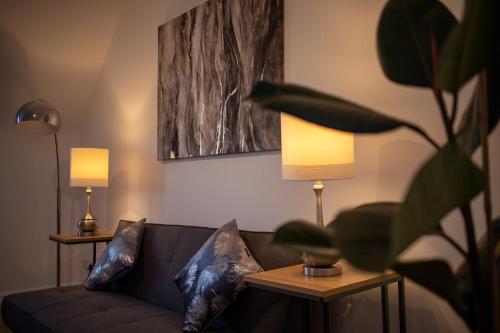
(209, 60)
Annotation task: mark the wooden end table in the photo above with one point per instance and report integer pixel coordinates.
(100, 237)
(291, 281)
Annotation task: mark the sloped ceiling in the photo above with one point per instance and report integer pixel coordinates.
(54, 49)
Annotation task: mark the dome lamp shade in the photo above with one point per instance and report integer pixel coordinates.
(38, 116)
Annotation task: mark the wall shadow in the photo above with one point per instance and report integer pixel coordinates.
(117, 198)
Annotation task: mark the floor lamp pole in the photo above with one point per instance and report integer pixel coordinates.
(58, 216)
(41, 117)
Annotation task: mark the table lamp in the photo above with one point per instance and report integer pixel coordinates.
(316, 153)
(89, 168)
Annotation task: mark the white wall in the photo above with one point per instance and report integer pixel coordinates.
(54, 50)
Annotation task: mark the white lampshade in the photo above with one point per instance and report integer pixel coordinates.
(89, 167)
(313, 152)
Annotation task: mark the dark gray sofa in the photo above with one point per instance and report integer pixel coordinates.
(147, 300)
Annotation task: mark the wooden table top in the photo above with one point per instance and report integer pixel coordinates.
(291, 280)
(102, 236)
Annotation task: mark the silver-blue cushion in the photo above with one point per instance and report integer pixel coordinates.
(213, 277)
(118, 258)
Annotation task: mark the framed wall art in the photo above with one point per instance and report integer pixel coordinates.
(209, 60)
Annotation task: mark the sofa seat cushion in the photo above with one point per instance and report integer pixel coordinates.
(74, 309)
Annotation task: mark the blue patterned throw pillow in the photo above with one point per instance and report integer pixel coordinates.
(119, 257)
(213, 277)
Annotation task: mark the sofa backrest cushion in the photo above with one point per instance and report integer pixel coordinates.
(167, 248)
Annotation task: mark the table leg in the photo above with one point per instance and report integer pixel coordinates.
(385, 308)
(58, 266)
(94, 254)
(310, 315)
(402, 306)
(327, 312)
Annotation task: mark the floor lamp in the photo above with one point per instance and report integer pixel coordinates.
(41, 117)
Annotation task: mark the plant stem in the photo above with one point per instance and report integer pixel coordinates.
(454, 244)
(437, 91)
(444, 116)
(473, 260)
(492, 273)
(454, 109)
(424, 134)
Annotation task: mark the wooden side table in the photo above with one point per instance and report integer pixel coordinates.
(291, 281)
(102, 236)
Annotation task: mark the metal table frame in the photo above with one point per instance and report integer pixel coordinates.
(104, 237)
(326, 301)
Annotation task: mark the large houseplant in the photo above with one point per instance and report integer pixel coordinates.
(420, 43)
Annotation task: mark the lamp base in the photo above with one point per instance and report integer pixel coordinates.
(87, 233)
(87, 226)
(323, 271)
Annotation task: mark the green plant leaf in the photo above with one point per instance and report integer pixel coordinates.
(404, 39)
(469, 128)
(305, 236)
(448, 180)
(465, 52)
(436, 276)
(322, 109)
(363, 234)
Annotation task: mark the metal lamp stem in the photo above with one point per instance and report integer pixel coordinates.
(58, 186)
(89, 193)
(317, 265)
(58, 213)
(318, 189)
